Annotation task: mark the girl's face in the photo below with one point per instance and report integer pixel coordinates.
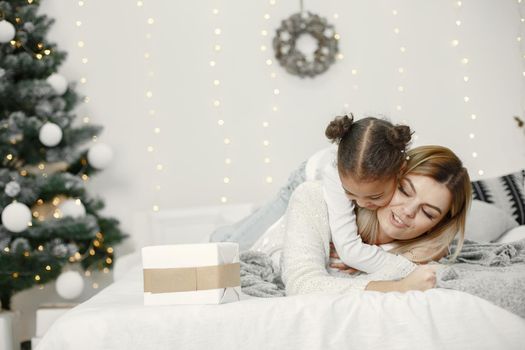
(370, 195)
(418, 204)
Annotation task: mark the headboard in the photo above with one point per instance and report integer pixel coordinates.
(185, 225)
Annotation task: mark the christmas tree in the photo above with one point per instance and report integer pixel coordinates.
(48, 218)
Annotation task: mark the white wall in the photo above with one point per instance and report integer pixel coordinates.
(190, 143)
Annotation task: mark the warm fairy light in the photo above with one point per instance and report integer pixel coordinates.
(455, 43)
(337, 36)
(140, 4)
(81, 3)
(109, 250)
(227, 141)
(39, 56)
(464, 60)
(336, 16)
(156, 130)
(109, 260)
(216, 82)
(92, 252)
(473, 116)
(160, 167)
(78, 23)
(267, 160)
(402, 49)
(458, 23)
(36, 214)
(276, 91)
(150, 149)
(220, 122)
(155, 208)
(471, 135)
(269, 62)
(400, 88)
(465, 79)
(216, 103)
(149, 94)
(47, 52)
(466, 98)
(77, 256)
(266, 143)
(340, 56)
(481, 172)
(217, 47)
(41, 166)
(96, 243)
(263, 48)
(37, 278)
(212, 63)
(15, 275)
(85, 177)
(217, 31)
(95, 285)
(265, 124)
(269, 179)
(151, 20)
(398, 107)
(84, 60)
(80, 44)
(215, 11)
(48, 268)
(275, 108)
(9, 157)
(40, 248)
(224, 199)
(106, 270)
(396, 30)
(226, 180)
(227, 161)
(146, 55)
(266, 16)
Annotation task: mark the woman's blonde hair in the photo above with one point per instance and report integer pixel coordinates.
(442, 165)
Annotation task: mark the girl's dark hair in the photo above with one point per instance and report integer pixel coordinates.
(370, 149)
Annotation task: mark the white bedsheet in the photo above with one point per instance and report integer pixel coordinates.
(437, 319)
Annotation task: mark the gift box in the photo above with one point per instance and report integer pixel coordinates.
(207, 273)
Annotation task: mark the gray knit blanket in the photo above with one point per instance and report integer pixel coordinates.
(492, 271)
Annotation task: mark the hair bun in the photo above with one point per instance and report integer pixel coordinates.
(399, 136)
(339, 127)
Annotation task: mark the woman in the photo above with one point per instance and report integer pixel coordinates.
(426, 212)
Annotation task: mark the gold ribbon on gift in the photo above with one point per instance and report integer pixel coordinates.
(185, 279)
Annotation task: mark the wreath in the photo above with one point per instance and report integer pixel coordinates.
(293, 60)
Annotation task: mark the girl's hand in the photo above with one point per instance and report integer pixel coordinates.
(339, 265)
(422, 278)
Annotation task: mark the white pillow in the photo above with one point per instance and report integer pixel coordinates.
(516, 234)
(486, 222)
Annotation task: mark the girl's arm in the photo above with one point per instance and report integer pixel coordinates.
(349, 245)
(306, 249)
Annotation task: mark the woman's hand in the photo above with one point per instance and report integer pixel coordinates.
(422, 278)
(339, 265)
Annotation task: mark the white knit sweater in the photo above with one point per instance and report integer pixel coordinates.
(307, 249)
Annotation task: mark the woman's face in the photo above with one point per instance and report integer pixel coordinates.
(418, 204)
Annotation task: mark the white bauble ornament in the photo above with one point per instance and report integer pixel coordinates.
(58, 83)
(73, 208)
(69, 285)
(50, 134)
(100, 155)
(16, 216)
(7, 31)
(12, 189)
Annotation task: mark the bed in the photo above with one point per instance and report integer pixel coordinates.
(436, 319)
(116, 318)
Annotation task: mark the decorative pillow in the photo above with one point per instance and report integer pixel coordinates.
(486, 222)
(505, 192)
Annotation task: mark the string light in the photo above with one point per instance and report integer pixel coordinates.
(400, 87)
(465, 62)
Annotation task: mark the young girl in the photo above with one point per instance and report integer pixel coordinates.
(370, 156)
